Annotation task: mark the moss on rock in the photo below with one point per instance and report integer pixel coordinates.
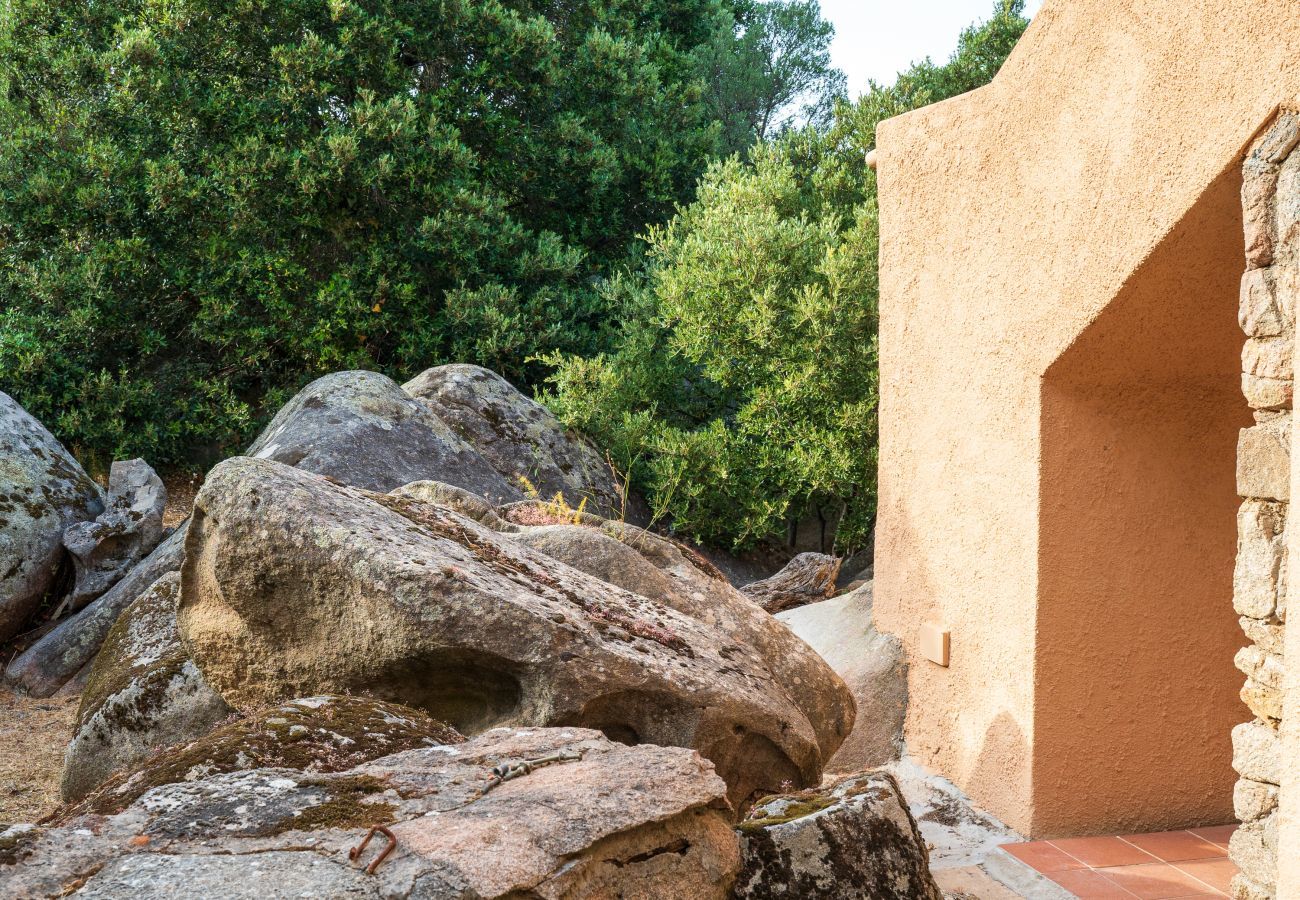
(345, 807)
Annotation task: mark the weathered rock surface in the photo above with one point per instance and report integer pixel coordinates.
(43, 491)
(1257, 573)
(1264, 460)
(604, 820)
(1253, 848)
(520, 437)
(322, 588)
(1257, 752)
(310, 734)
(855, 839)
(53, 660)
(873, 666)
(671, 573)
(144, 692)
(362, 429)
(128, 530)
(808, 578)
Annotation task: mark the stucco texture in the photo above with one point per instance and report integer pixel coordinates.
(1060, 401)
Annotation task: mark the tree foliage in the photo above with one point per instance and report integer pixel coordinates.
(770, 70)
(744, 391)
(204, 204)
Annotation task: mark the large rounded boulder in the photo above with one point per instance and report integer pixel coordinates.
(362, 429)
(42, 492)
(673, 574)
(872, 664)
(321, 588)
(522, 439)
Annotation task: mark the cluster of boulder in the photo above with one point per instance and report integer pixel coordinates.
(56, 524)
(372, 626)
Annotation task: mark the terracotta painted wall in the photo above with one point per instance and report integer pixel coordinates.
(1053, 346)
(1135, 691)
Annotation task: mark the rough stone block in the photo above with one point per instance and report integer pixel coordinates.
(1253, 800)
(1244, 889)
(1259, 187)
(1262, 692)
(1253, 848)
(1259, 314)
(1264, 460)
(1286, 207)
(1269, 357)
(1258, 190)
(1261, 665)
(1260, 548)
(1262, 700)
(1268, 635)
(1267, 393)
(1257, 752)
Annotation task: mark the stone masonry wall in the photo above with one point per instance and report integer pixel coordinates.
(1271, 204)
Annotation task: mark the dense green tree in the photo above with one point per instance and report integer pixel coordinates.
(204, 204)
(744, 392)
(769, 69)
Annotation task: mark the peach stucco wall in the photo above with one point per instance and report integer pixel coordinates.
(1060, 254)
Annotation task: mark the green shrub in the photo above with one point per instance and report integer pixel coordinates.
(743, 393)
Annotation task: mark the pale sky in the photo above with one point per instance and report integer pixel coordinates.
(879, 38)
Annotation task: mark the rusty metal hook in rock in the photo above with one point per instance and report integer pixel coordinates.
(356, 851)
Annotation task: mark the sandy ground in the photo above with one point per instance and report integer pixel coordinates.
(33, 734)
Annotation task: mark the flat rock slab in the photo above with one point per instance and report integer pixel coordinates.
(604, 820)
(321, 588)
(310, 734)
(53, 660)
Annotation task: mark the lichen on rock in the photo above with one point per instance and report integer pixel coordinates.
(310, 734)
(43, 491)
(608, 821)
(144, 692)
(855, 835)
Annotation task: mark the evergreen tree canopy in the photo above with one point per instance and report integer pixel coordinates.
(203, 204)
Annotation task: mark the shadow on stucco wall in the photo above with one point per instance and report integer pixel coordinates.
(1135, 690)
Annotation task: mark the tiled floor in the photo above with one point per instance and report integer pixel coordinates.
(1162, 866)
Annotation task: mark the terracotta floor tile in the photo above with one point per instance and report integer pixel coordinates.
(1217, 873)
(1099, 852)
(1215, 834)
(1089, 884)
(1176, 846)
(1043, 857)
(1158, 881)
